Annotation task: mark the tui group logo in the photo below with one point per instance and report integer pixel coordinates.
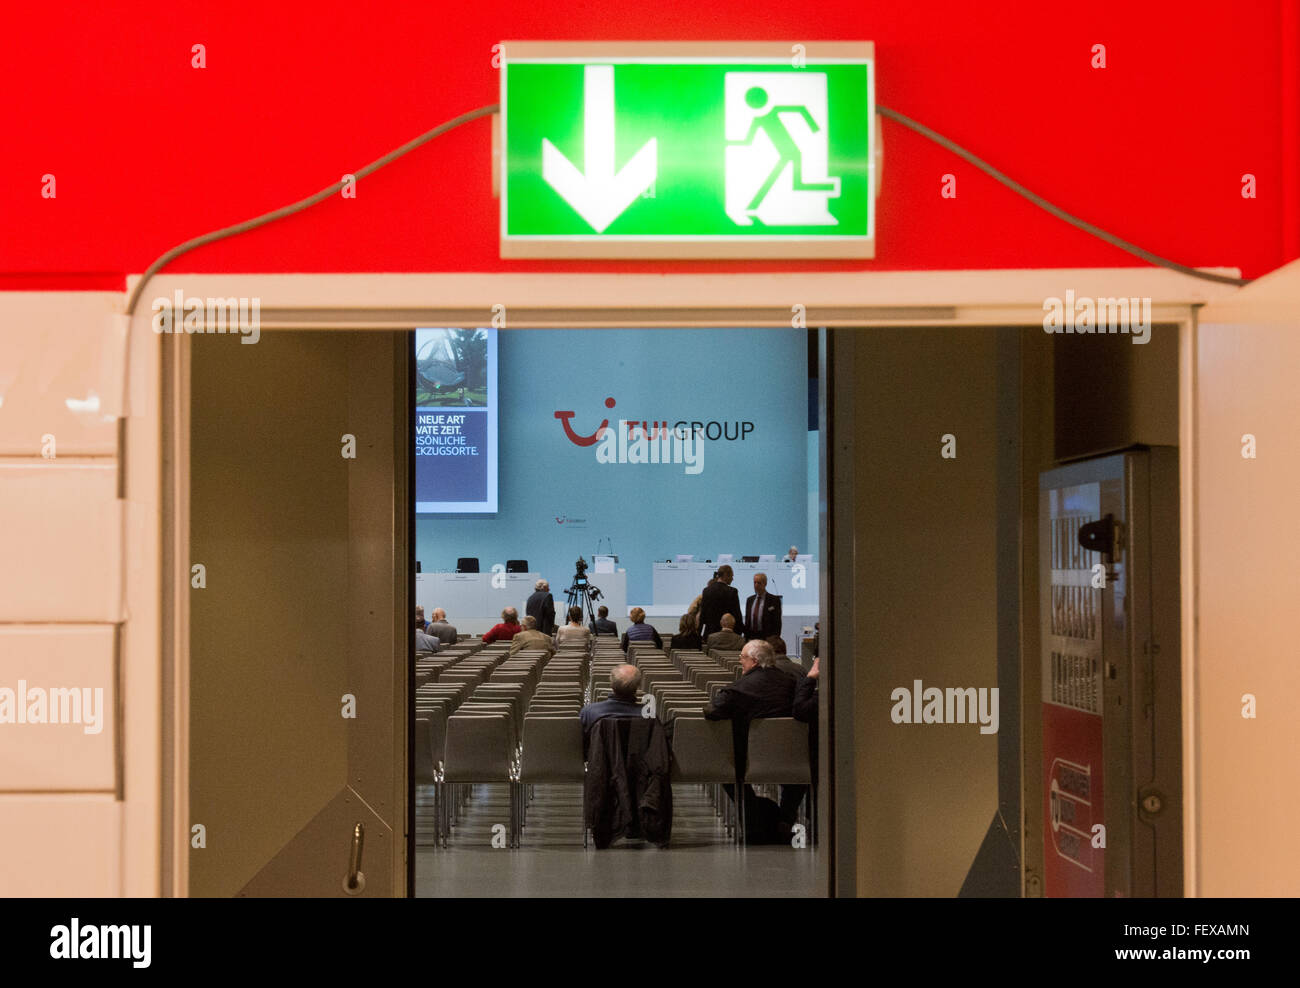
(645, 441)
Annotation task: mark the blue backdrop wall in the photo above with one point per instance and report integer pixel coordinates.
(747, 387)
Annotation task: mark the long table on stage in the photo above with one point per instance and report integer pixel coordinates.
(677, 584)
(474, 601)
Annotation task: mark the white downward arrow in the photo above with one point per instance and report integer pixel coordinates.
(599, 194)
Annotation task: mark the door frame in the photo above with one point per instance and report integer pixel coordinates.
(853, 299)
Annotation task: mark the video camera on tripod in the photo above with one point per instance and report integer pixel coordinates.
(583, 592)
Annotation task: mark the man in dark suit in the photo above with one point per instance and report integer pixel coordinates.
(603, 625)
(720, 598)
(762, 611)
(761, 691)
(541, 605)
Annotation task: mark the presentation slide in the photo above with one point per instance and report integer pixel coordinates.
(455, 421)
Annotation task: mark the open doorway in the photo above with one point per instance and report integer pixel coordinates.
(617, 472)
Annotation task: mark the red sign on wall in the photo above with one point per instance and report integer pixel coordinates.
(1072, 792)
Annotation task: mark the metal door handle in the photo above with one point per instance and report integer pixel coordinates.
(355, 880)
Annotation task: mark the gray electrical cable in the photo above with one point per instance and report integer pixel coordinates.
(483, 111)
(1056, 211)
(301, 204)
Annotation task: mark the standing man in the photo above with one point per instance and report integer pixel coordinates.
(541, 605)
(762, 611)
(719, 598)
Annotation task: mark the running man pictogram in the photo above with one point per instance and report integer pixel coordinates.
(771, 124)
(777, 149)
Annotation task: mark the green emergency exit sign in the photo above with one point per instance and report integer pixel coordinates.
(689, 150)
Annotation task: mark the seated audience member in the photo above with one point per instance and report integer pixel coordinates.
(574, 631)
(783, 661)
(761, 691)
(627, 789)
(423, 642)
(727, 640)
(640, 631)
(805, 699)
(507, 629)
(530, 637)
(687, 635)
(624, 681)
(604, 626)
(440, 629)
(419, 619)
(805, 709)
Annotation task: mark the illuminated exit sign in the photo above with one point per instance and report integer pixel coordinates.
(687, 150)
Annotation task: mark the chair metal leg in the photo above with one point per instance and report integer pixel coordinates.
(741, 789)
(517, 790)
(437, 816)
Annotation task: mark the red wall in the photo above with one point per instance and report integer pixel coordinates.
(148, 151)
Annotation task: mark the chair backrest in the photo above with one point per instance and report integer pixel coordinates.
(457, 675)
(527, 677)
(467, 564)
(479, 748)
(479, 706)
(516, 565)
(424, 764)
(552, 749)
(702, 750)
(778, 751)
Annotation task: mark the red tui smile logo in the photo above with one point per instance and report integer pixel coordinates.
(578, 440)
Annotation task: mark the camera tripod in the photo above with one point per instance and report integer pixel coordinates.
(582, 593)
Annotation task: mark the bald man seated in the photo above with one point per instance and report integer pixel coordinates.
(726, 640)
(624, 681)
(440, 629)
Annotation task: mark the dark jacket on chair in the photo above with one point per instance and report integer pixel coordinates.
(627, 791)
